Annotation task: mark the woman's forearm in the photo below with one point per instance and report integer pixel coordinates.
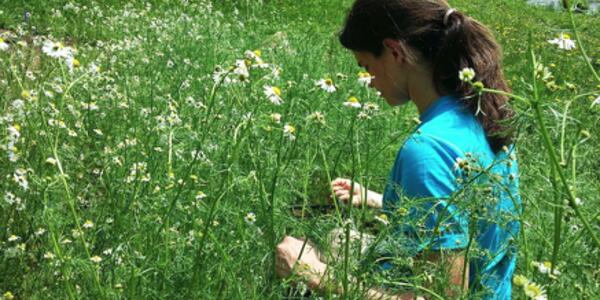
(374, 199)
(323, 282)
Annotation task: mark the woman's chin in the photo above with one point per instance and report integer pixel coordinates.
(397, 101)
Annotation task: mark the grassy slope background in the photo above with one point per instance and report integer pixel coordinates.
(300, 36)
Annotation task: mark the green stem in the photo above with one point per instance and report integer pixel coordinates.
(345, 280)
(558, 213)
(580, 45)
(551, 152)
(76, 219)
(561, 175)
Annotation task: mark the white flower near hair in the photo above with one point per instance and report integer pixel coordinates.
(326, 84)
(466, 74)
(273, 93)
(564, 42)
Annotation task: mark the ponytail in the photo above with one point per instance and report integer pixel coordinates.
(467, 43)
(450, 42)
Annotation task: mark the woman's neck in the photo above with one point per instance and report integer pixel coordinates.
(421, 88)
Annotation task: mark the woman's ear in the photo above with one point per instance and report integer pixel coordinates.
(398, 49)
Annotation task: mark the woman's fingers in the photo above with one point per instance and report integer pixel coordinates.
(337, 188)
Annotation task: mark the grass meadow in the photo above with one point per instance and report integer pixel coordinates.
(148, 156)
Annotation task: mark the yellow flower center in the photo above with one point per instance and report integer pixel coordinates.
(364, 74)
(17, 127)
(533, 290)
(566, 36)
(1, 40)
(76, 63)
(353, 100)
(276, 91)
(57, 46)
(384, 217)
(328, 81)
(520, 280)
(257, 53)
(25, 94)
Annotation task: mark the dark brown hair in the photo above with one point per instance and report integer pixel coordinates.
(460, 43)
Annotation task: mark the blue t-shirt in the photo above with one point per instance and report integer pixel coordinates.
(449, 190)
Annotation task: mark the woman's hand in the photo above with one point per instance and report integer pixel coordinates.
(308, 266)
(341, 188)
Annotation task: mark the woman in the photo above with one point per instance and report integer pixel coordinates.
(416, 49)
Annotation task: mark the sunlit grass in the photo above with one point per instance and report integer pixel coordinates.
(138, 173)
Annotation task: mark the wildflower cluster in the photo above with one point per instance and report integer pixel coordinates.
(531, 289)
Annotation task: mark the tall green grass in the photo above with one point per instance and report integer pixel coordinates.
(165, 134)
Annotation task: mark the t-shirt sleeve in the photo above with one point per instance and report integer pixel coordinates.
(425, 179)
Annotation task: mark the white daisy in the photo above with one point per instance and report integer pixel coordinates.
(326, 84)
(57, 49)
(94, 69)
(250, 218)
(534, 291)
(545, 267)
(255, 56)
(364, 78)
(371, 106)
(564, 42)
(200, 195)
(289, 131)
(241, 69)
(20, 177)
(276, 118)
(49, 256)
(88, 224)
(352, 102)
(466, 74)
(96, 259)
(3, 45)
(72, 63)
(220, 75)
(273, 93)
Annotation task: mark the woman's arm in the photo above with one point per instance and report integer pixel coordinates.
(450, 264)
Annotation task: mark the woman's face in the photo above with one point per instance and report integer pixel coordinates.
(388, 79)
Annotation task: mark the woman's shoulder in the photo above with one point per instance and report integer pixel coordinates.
(419, 146)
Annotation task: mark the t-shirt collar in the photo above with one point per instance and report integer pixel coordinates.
(435, 108)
